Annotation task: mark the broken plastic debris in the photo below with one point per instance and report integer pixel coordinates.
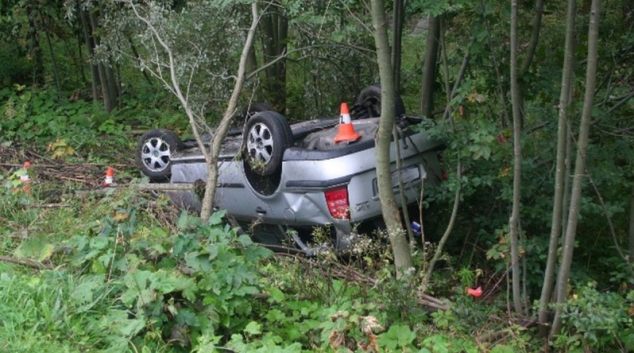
(476, 293)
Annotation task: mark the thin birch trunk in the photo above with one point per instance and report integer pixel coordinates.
(429, 67)
(398, 240)
(631, 231)
(582, 143)
(47, 35)
(88, 39)
(532, 45)
(517, 165)
(212, 163)
(397, 35)
(560, 171)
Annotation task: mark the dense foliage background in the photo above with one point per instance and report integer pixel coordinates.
(124, 272)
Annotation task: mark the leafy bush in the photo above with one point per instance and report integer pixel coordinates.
(171, 288)
(597, 321)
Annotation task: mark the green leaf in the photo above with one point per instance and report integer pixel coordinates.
(138, 279)
(277, 296)
(397, 336)
(168, 282)
(216, 217)
(35, 248)
(85, 291)
(275, 315)
(253, 328)
(186, 221)
(105, 259)
(197, 262)
(187, 317)
(245, 240)
(99, 242)
(502, 349)
(138, 284)
(130, 328)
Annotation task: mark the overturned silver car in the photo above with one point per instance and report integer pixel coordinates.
(278, 181)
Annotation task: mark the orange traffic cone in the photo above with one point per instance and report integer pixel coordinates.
(346, 129)
(109, 177)
(25, 179)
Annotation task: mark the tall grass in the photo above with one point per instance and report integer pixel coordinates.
(34, 312)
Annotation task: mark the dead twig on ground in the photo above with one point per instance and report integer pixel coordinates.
(50, 205)
(26, 262)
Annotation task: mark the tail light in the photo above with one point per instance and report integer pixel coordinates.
(337, 200)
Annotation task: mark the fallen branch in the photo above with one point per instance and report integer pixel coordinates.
(144, 187)
(25, 262)
(431, 302)
(164, 187)
(65, 165)
(51, 205)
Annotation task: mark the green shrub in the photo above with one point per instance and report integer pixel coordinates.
(596, 321)
(171, 288)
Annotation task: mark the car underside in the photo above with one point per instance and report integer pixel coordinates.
(278, 181)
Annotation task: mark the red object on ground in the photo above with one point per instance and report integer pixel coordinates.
(476, 293)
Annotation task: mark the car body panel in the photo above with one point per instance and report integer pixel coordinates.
(315, 164)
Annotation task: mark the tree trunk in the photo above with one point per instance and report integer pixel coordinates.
(631, 231)
(504, 121)
(100, 69)
(532, 45)
(113, 86)
(106, 76)
(34, 47)
(135, 52)
(560, 171)
(275, 33)
(80, 61)
(582, 143)
(397, 39)
(448, 230)
(58, 85)
(212, 163)
(517, 165)
(391, 216)
(252, 61)
(461, 74)
(429, 68)
(90, 45)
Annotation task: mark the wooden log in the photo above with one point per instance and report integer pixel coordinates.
(143, 187)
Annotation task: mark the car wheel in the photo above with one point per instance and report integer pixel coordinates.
(154, 152)
(256, 108)
(368, 103)
(266, 136)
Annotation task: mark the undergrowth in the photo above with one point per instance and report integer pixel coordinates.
(121, 271)
(116, 272)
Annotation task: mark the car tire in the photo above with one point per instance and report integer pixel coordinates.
(256, 108)
(368, 103)
(154, 152)
(266, 136)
